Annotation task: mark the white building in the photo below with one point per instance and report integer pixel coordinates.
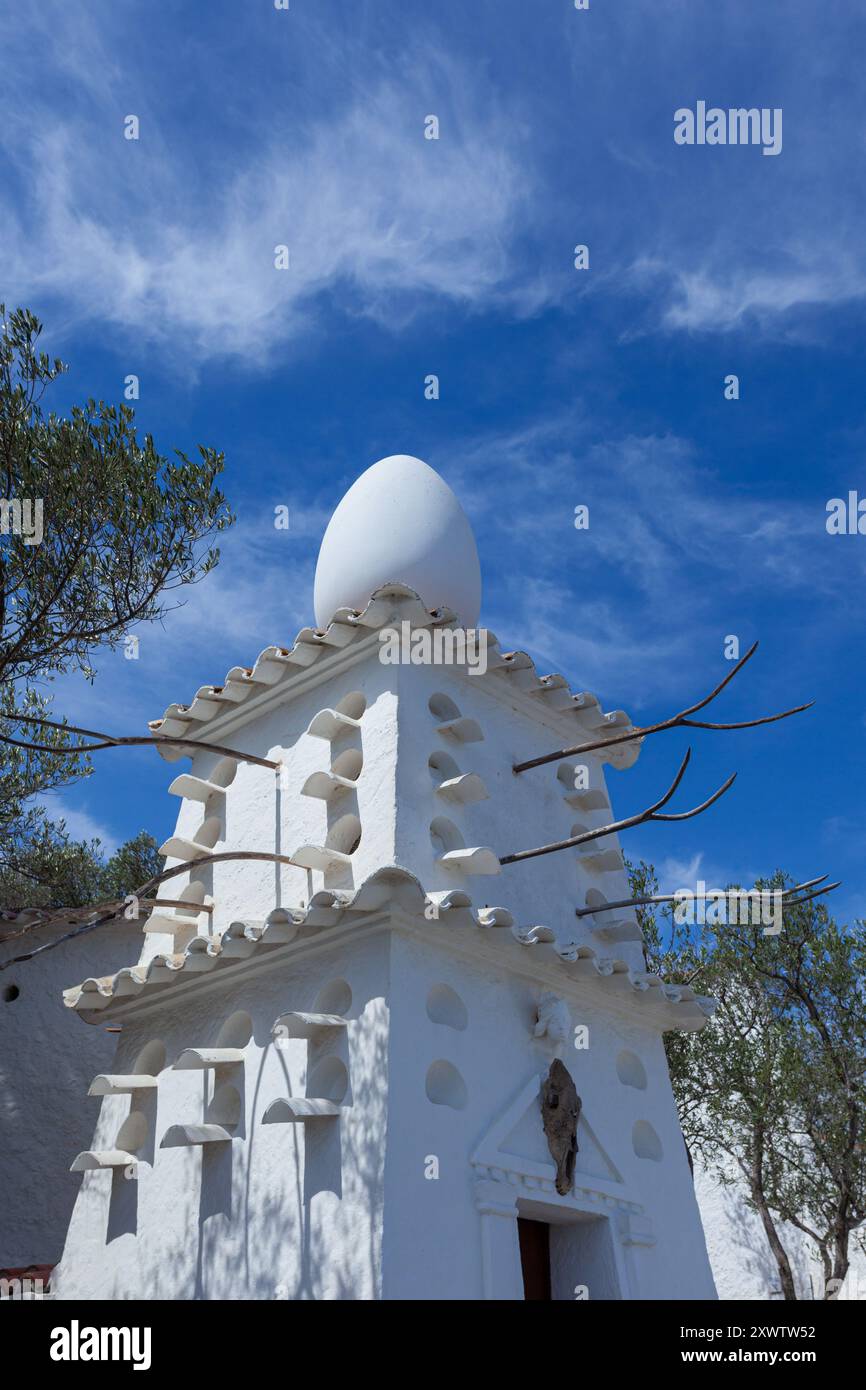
(327, 1083)
(45, 1070)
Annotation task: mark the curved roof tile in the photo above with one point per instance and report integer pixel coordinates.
(677, 1005)
(276, 665)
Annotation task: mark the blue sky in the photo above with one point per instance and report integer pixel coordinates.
(558, 387)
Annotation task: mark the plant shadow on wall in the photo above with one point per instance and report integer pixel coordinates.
(288, 1222)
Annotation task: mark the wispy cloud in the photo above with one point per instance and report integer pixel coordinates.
(671, 548)
(376, 218)
(80, 824)
(716, 297)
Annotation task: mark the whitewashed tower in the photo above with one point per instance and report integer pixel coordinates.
(327, 1079)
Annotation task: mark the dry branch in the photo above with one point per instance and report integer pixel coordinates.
(110, 741)
(676, 721)
(28, 918)
(651, 813)
(787, 899)
(107, 915)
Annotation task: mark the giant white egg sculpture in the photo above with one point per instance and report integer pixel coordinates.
(399, 522)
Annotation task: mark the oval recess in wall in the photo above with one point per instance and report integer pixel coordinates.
(630, 1070)
(236, 1031)
(445, 1006)
(150, 1060)
(329, 1080)
(335, 998)
(132, 1135)
(445, 1086)
(646, 1142)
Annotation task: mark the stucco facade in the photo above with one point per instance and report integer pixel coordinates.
(431, 962)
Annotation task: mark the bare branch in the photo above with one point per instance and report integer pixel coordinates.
(787, 900)
(807, 897)
(261, 855)
(676, 721)
(650, 814)
(109, 741)
(29, 918)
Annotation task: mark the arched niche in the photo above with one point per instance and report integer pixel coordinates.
(445, 835)
(442, 767)
(132, 1135)
(150, 1060)
(630, 1070)
(328, 1080)
(334, 998)
(236, 1031)
(646, 1142)
(352, 705)
(445, 1006)
(442, 707)
(345, 834)
(445, 1086)
(348, 764)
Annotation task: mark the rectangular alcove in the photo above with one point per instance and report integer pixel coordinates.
(568, 1258)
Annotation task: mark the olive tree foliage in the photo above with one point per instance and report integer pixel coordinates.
(772, 1091)
(54, 871)
(121, 526)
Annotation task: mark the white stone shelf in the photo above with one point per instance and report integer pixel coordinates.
(622, 930)
(471, 861)
(203, 1058)
(600, 861)
(105, 1085)
(168, 924)
(320, 857)
(465, 788)
(463, 730)
(92, 1159)
(326, 785)
(177, 848)
(186, 1136)
(330, 724)
(195, 788)
(296, 1111)
(592, 799)
(299, 1025)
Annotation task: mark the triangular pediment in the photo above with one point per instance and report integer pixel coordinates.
(516, 1143)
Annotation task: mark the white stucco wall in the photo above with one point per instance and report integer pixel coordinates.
(47, 1060)
(740, 1255)
(432, 1249)
(282, 1211)
(342, 1209)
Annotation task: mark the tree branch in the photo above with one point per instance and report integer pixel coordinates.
(676, 721)
(109, 741)
(650, 814)
(261, 855)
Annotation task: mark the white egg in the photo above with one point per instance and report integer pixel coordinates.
(399, 522)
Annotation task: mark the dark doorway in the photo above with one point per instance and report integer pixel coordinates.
(534, 1239)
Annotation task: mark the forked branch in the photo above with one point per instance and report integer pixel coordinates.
(788, 898)
(676, 721)
(651, 813)
(107, 912)
(111, 741)
(27, 918)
